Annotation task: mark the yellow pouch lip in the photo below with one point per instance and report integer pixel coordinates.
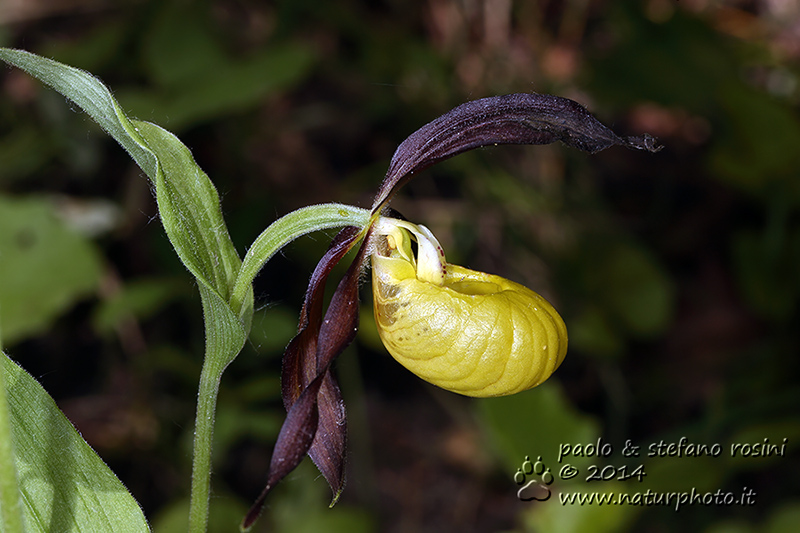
(517, 338)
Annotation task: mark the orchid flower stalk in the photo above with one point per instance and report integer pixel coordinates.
(469, 332)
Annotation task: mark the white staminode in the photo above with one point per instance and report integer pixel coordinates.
(430, 260)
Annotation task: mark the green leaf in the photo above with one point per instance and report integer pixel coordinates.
(193, 78)
(636, 290)
(536, 423)
(65, 486)
(755, 149)
(44, 267)
(232, 86)
(187, 200)
(90, 95)
(11, 520)
(681, 62)
(674, 474)
(556, 518)
(302, 507)
(591, 332)
(730, 526)
(139, 298)
(767, 266)
(189, 207)
(784, 518)
(539, 423)
(181, 45)
(22, 153)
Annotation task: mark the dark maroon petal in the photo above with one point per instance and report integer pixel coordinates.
(301, 366)
(509, 119)
(299, 359)
(339, 327)
(330, 443)
(315, 421)
(337, 331)
(293, 442)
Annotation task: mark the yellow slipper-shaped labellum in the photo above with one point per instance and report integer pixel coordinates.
(465, 331)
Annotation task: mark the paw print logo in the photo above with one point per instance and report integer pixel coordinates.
(537, 488)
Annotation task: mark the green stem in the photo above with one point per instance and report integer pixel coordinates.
(11, 520)
(203, 434)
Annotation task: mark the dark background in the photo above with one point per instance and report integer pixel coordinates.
(678, 273)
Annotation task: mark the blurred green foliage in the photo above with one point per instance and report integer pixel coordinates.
(45, 267)
(678, 274)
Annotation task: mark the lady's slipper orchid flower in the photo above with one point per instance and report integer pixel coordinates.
(468, 332)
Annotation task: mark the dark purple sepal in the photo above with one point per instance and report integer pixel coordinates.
(294, 440)
(509, 119)
(337, 332)
(300, 358)
(315, 421)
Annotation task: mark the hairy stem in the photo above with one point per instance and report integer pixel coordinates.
(203, 435)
